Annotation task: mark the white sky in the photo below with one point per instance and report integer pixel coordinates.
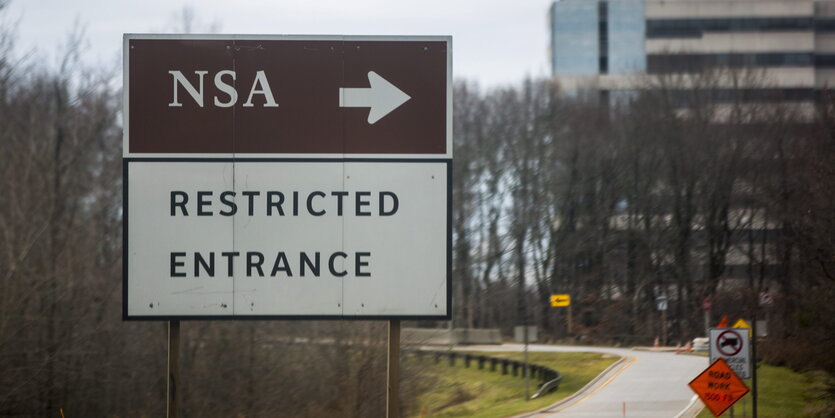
(495, 42)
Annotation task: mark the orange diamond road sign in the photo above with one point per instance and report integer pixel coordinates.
(719, 387)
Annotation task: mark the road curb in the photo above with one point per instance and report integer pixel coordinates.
(655, 349)
(610, 371)
(693, 409)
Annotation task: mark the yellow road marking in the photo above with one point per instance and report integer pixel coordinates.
(579, 401)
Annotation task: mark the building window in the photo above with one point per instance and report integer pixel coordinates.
(825, 60)
(694, 28)
(825, 25)
(691, 63)
(682, 98)
(603, 36)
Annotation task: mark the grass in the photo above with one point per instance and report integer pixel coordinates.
(782, 393)
(462, 392)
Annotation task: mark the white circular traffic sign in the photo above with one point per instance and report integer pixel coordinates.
(729, 343)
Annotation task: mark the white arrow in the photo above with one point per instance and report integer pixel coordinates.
(382, 97)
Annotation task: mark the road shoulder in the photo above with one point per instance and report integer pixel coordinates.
(589, 389)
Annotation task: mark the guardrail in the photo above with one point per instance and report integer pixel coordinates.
(549, 377)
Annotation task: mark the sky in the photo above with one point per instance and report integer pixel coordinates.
(495, 42)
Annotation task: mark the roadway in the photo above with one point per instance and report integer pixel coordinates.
(645, 384)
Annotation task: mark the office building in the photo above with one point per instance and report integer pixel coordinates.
(606, 45)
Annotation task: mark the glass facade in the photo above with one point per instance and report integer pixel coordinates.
(626, 37)
(597, 37)
(574, 39)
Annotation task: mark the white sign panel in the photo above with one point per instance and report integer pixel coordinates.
(288, 239)
(732, 345)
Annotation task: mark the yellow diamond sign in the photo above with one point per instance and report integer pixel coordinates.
(740, 323)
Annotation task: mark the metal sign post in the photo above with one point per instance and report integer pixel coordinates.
(754, 365)
(527, 375)
(393, 375)
(570, 320)
(706, 304)
(661, 304)
(173, 406)
(563, 301)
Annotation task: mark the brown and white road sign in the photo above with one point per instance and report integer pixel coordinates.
(287, 177)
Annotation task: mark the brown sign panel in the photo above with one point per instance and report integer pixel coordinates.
(274, 95)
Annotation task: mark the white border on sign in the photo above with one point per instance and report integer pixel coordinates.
(126, 95)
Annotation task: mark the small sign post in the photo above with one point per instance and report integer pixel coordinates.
(661, 303)
(754, 394)
(706, 305)
(563, 301)
(718, 387)
(173, 368)
(393, 375)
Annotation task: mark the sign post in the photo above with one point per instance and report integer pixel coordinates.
(287, 177)
(393, 375)
(661, 304)
(706, 304)
(754, 365)
(563, 301)
(742, 324)
(173, 368)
